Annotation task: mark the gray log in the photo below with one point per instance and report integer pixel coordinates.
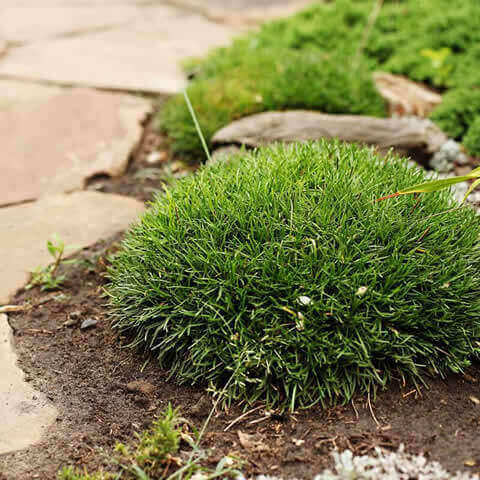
(403, 134)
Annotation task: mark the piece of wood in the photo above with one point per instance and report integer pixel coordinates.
(403, 134)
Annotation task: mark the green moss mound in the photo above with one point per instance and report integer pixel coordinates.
(472, 138)
(279, 277)
(316, 51)
(270, 80)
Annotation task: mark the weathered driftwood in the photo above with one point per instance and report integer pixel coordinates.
(403, 134)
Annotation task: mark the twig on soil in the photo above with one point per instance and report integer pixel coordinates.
(355, 409)
(240, 418)
(371, 410)
(14, 308)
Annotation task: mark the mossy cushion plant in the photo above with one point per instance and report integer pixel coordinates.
(279, 277)
(315, 60)
(272, 79)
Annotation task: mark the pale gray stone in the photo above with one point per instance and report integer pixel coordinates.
(29, 23)
(25, 413)
(56, 145)
(143, 55)
(80, 219)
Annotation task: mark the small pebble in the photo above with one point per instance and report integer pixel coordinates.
(88, 323)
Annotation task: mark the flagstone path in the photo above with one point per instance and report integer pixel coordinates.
(55, 137)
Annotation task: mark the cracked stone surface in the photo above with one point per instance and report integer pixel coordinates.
(80, 219)
(245, 13)
(13, 93)
(20, 24)
(142, 55)
(56, 145)
(25, 413)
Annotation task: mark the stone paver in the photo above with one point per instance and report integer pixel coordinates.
(143, 55)
(243, 12)
(25, 413)
(54, 146)
(13, 93)
(33, 22)
(80, 219)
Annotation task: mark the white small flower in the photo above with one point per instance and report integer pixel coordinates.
(361, 291)
(304, 300)
(300, 323)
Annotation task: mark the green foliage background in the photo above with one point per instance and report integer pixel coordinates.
(310, 61)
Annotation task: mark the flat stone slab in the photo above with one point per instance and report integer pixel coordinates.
(80, 219)
(243, 12)
(19, 24)
(14, 93)
(56, 145)
(143, 55)
(25, 413)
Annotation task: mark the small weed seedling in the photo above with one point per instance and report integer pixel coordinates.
(155, 453)
(47, 277)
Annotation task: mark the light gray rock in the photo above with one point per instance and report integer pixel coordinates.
(88, 323)
(56, 145)
(143, 55)
(28, 23)
(443, 160)
(25, 413)
(243, 13)
(402, 134)
(80, 219)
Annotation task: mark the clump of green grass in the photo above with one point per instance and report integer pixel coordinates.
(278, 277)
(313, 60)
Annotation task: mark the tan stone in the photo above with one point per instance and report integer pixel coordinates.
(243, 13)
(54, 146)
(14, 93)
(144, 55)
(34, 22)
(25, 413)
(80, 219)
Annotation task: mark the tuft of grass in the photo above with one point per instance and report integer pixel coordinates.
(278, 277)
(322, 59)
(153, 456)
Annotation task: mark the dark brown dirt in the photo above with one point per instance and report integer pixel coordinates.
(88, 376)
(145, 177)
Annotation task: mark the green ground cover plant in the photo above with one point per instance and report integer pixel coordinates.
(315, 60)
(279, 277)
(155, 455)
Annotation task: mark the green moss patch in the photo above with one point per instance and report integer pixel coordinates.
(312, 61)
(279, 277)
